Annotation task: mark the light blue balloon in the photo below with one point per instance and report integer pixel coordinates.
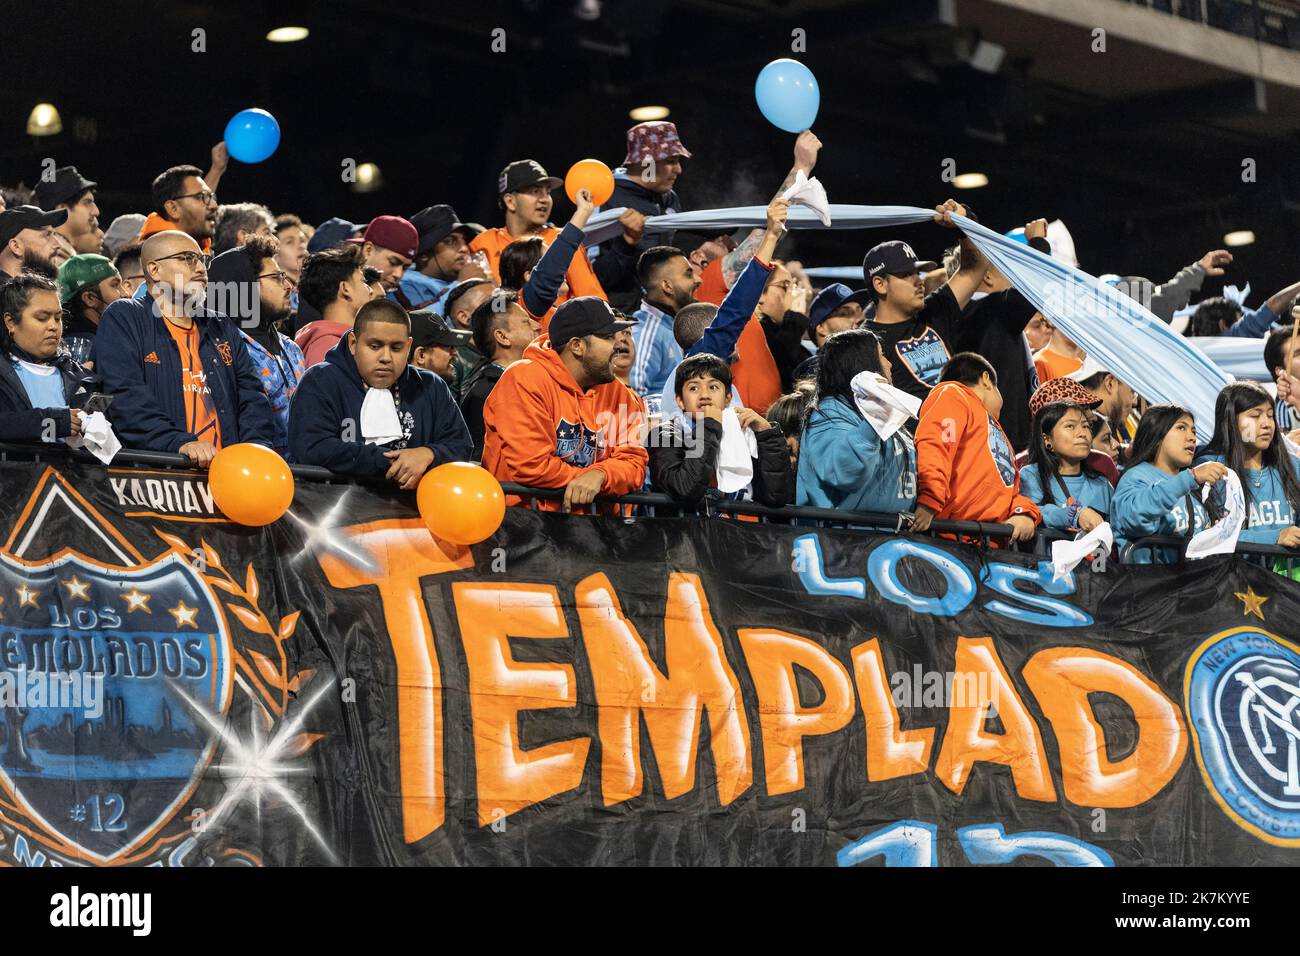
(1017, 234)
(252, 135)
(787, 95)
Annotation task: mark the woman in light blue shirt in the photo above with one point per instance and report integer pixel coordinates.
(1159, 494)
(1071, 496)
(1247, 440)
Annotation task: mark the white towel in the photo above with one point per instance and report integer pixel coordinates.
(810, 193)
(736, 454)
(97, 436)
(1220, 537)
(885, 407)
(1233, 294)
(1067, 555)
(379, 422)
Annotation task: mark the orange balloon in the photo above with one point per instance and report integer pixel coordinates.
(461, 503)
(251, 484)
(590, 174)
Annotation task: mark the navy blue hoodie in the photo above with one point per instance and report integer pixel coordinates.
(331, 394)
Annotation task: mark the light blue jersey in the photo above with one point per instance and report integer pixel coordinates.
(1088, 491)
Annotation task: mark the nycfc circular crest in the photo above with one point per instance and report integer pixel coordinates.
(1243, 704)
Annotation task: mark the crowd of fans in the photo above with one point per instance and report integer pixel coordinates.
(698, 366)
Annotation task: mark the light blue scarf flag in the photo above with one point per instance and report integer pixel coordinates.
(1117, 331)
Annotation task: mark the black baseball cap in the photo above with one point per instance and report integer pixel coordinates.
(524, 173)
(436, 223)
(893, 258)
(68, 184)
(585, 315)
(330, 233)
(17, 218)
(429, 328)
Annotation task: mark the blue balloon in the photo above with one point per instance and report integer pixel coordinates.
(1017, 234)
(252, 135)
(787, 95)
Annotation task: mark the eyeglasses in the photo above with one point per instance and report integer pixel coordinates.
(279, 275)
(191, 259)
(206, 196)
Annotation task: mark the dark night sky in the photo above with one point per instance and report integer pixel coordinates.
(415, 88)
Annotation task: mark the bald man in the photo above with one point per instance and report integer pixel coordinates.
(180, 375)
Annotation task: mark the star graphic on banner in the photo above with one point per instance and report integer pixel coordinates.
(184, 614)
(77, 588)
(137, 600)
(1254, 603)
(27, 597)
(255, 766)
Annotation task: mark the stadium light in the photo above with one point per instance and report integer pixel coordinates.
(1242, 237)
(44, 121)
(369, 178)
(970, 180)
(644, 114)
(288, 34)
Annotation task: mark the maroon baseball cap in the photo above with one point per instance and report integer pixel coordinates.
(392, 232)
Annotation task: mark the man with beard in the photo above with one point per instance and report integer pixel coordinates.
(27, 241)
(442, 254)
(434, 345)
(88, 284)
(1117, 399)
(558, 418)
(180, 375)
(669, 284)
(72, 191)
(183, 201)
(503, 329)
(249, 286)
(525, 195)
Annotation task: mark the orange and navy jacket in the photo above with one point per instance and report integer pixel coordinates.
(966, 470)
(541, 429)
(580, 276)
(156, 223)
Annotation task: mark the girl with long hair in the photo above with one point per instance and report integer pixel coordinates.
(1070, 494)
(1158, 494)
(1247, 440)
(845, 462)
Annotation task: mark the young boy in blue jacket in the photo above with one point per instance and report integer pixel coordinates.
(365, 412)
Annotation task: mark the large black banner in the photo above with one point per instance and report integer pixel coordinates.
(340, 688)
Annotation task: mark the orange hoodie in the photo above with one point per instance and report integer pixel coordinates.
(542, 430)
(966, 470)
(580, 276)
(156, 223)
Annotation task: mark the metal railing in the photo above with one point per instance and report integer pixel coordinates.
(643, 504)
